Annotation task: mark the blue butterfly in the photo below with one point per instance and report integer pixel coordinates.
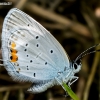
(31, 53)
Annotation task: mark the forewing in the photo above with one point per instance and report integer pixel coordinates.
(30, 52)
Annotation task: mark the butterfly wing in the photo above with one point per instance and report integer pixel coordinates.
(29, 51)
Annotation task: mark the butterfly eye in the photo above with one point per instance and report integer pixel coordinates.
(75, 66)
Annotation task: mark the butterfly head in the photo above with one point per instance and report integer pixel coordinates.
(68, 75)
(76, 66)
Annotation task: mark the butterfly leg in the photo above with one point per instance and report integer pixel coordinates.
(60, 81)
(75, 79)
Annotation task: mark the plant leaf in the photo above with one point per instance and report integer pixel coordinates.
(69, 91)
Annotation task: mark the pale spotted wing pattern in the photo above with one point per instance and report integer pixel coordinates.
(30, 52)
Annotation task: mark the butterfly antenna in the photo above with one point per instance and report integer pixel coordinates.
(82, 54)
(88, 53)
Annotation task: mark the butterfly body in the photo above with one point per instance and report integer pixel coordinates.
(32, 54)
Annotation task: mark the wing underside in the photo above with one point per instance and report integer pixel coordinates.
(29, 51)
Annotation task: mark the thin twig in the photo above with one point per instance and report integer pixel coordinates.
(54, 4)
(77, 27)
(15, 87)
(6, 95)
(21, 95)
(96, 57)
(53, 26)
(20, 4)
(5, 77)
(91, 76)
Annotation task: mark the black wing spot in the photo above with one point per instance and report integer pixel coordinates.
(31, 61)
(25, 49)
(28, 25)
(11, 57)
(16, 64)
(51, 51)
(34, 74)
(17, 71)
(10, 43)
(16, 58)
(27, 55)
(12, 50)
(37, 37)
(65, 68)
(27, 68)
(37, 45)
(18, 32)
(45, 63)
(26, 44)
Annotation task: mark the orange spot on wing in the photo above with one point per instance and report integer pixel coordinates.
(13, 51)
(13, 45)
(14, 57)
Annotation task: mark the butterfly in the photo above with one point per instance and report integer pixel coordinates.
(31, 53)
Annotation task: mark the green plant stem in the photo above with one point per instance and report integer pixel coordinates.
(70, 92)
